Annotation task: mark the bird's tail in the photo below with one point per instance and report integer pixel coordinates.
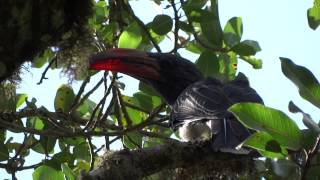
(228, 134)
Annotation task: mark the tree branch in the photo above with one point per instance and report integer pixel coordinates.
(141, 163)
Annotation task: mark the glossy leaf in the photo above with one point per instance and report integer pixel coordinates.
(20, 99)
(131, 37)
(162, 24)
(246, 48)
(64, 98)
(47, 173)
(266, 145)
(276, 123)
(233, 31)
(308, 85)
(254, 62)
(314, 15)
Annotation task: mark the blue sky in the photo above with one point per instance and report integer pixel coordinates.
(280, 27)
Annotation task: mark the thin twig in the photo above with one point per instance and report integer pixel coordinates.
(91, 148)
(43, 75)
(176, 26)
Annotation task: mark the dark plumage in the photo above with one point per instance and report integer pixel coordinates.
(199, 105)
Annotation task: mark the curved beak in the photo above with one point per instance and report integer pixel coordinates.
(132, 62)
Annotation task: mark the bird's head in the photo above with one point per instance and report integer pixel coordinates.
(168, 74)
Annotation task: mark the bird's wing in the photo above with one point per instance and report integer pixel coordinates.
(208, 100)
(202, 100)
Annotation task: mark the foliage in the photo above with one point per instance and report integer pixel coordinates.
(65, 136)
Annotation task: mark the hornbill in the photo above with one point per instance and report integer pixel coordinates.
(199, 105)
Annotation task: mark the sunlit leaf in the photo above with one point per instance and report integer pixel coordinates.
(254, 62)
(246, 48)
(266, 145)
(131, 37)
(314, 15)
(276, 123)
(20, 99)
(64, 98)
(233, 31)
(47, 173)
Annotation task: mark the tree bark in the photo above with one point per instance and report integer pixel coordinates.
(140, 163)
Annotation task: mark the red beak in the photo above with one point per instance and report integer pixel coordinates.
(132, 62)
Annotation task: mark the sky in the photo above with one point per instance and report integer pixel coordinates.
(280, 27)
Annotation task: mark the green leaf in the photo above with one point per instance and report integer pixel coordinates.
(64, 98)
(4, 152)
(208, 63)
(233, 31)
(100, 11)
(73, 141)
(162, 24)
(85, 110)
(47, 173)
(308, 85)
(314, 15)
(208, 18)
(132, 140)
(146, 101)
(194, 47)
(276, 123)
(35, 122)
(131, 37)
(48, 144)
(147, 89)
(82, 152)
(254, 62)
(67, 172)
(20, 99)
(266, 145)
(246, 48)
(228, 64)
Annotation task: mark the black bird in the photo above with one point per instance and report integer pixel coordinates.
(199, 105)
